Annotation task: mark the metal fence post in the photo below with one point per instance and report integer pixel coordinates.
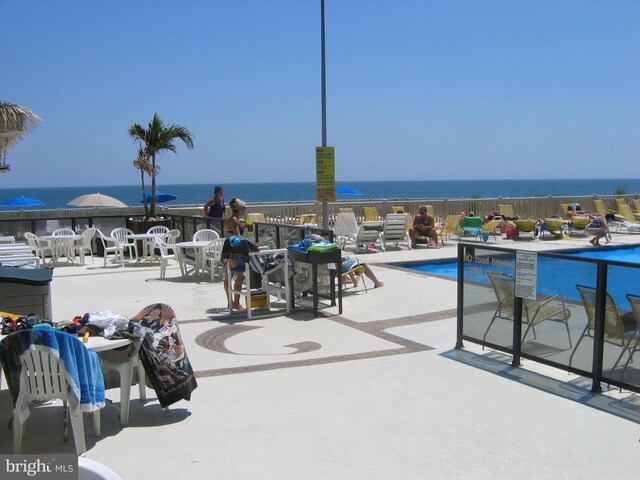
(517, 331)
(460, 305)
(598, 329)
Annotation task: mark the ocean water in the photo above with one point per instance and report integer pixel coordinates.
(58, 197)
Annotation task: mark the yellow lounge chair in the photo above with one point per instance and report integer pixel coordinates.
(506, 211)
(601, 209)
(449, 228)
(578, 224)
(552, 226)
(307, 218)
(526, 225)
(371, 214)
(614, 329)
(627, 213)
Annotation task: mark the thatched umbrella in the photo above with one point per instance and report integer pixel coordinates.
(15, 122)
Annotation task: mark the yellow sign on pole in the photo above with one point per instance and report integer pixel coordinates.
(325, 174)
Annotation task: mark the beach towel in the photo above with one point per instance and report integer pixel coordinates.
(84, 372)
(237, 248)
(163, 355)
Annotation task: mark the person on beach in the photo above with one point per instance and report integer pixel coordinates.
(599, 228)
(424, 226)
(349, 263)
(215, 207)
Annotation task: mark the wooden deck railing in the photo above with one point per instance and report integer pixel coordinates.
(189, 217)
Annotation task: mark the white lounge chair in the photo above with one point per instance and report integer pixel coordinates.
(395, 230)
(368, 233)
(345, 229)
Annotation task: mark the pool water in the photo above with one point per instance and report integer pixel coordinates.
(554, 276)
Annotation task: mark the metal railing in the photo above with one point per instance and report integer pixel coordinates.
(580, 322)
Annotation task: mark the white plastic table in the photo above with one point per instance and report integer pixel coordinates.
(147, 244)
(62, 246)
(200, 249)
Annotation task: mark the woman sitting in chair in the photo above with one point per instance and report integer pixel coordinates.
(349, 264)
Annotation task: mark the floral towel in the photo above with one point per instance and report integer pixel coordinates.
(163, 355)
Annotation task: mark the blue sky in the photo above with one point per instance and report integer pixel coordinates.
(415, 89)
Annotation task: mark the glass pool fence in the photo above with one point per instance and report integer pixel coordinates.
(578, 314)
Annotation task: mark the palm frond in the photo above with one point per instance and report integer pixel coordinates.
(15, 122)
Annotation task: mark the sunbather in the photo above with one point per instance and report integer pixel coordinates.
(424, 226)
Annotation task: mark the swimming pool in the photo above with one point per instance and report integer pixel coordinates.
(555, 276)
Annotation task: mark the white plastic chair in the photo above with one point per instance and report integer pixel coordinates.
(119, 362)
(83, 245)
(63, 231)
(213, 257)
(165, 256)
(172, 239)
(121, 234)
(172, 236)
(111, 245)
(63, 247)
(43, 378)
(39, 247)
(269, 286)
(205, 235)
(158, 229)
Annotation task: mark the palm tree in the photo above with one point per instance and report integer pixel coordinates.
(142, 164)
(15, 122)
(156, 138)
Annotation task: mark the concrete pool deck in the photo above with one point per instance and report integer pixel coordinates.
(378, 392)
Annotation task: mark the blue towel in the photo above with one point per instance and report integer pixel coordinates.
(84, 372)
(477, 232)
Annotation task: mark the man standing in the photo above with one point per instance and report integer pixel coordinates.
(424, 226)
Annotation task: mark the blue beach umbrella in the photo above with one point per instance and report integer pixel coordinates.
(22, 201)
(162, 197)
(348, 191)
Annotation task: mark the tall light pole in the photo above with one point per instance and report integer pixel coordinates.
(325, 204)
